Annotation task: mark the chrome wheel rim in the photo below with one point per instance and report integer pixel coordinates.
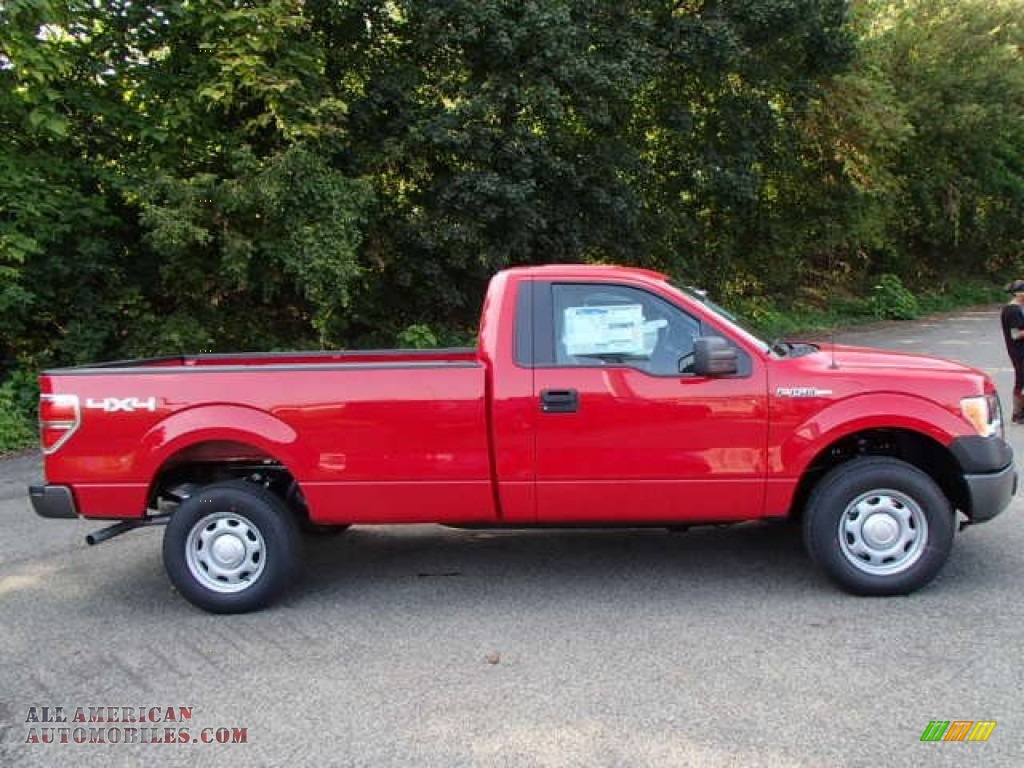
(225, 552)
(883, 532)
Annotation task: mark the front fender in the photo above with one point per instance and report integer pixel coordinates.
(859, 413)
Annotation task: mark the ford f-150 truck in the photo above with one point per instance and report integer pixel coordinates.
(596, 396)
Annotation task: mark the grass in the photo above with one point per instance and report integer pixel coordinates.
(889, 301)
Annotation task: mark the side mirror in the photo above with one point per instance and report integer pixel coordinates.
(714, 356)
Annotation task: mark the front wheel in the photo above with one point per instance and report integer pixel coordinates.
(879, 526)
(231, 547)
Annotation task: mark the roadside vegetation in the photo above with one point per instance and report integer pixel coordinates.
(236, 175)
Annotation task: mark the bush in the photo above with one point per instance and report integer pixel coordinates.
(423, 336)
(890, 300)
(18, 397)
(417, 336)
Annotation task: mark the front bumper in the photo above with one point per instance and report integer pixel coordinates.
(53, 501)
(991, 494)
(990, 474)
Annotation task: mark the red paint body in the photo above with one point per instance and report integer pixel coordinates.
(459, 436)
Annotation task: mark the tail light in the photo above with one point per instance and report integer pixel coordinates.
(59, 417)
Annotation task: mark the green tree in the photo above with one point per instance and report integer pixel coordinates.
(723, 137)
(920, 145)
(495, 133)
(957, 68)
(170, 172)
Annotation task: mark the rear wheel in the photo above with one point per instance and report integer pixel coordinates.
(879, 526)
(319, 530)
(231, 547)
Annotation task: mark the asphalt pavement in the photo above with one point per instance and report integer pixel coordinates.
(422, 646)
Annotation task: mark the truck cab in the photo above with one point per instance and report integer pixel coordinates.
(641, 406)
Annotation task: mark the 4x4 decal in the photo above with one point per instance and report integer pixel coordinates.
(115, 404)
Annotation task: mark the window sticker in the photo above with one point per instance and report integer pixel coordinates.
(609, 330)
(651, 328)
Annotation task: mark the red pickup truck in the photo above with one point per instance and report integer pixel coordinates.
(597, 396)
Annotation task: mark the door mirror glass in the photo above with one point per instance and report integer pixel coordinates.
(714, 356)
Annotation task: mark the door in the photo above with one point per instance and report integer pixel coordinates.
(626, 432)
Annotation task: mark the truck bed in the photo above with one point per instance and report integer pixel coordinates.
(380, 436)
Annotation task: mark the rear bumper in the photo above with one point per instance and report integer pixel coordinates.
(53, 501)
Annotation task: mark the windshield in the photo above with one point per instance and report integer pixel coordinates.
(728, 318)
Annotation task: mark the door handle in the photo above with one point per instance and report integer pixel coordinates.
(559, 400)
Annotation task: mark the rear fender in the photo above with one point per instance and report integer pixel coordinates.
(208, 423)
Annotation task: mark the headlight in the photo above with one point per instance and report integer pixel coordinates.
(984, 414)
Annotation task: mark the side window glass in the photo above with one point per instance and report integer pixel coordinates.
(598, 325)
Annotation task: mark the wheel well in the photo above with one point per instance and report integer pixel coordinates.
(928, 455)
(201, 464)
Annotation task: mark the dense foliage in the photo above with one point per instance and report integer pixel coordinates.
(230, 174)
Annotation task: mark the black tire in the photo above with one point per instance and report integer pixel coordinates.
(319, 530)
(907, 540)
(231, 548)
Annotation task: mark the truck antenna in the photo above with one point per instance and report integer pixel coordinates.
(832, 350)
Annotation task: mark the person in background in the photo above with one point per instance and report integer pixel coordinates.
(1012, 319)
